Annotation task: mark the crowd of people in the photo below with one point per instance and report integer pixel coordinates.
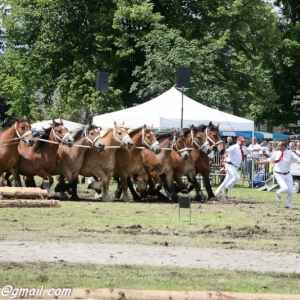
(270, 160)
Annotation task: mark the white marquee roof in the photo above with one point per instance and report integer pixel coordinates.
(165, 110)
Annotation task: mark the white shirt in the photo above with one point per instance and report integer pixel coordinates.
(284, 165)
(255, 154)
(234, 154)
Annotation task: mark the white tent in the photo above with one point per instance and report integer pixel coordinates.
(72, 126)
(165, 110)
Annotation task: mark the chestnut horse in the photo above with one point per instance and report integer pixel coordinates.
(41, 159)
(131, 161)
(160, 167)
(70, 160)
(17, 134)
(102, 165)
(200, 158)
(197, 141)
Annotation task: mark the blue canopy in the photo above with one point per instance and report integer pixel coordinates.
(257, 134)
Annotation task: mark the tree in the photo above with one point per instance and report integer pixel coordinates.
(227, 45)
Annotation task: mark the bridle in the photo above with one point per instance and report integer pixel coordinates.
(210, 140)
(91, 141)
(151, 147)
(20, 137)
(193, 141)
(56, 137)
(175, 144)
(121, 141)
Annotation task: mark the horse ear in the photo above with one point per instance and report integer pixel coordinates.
(145, 126)
(202, 127)
(210, 124)
(192, 127)
(115, 124)
(218, 125)
(17, 119)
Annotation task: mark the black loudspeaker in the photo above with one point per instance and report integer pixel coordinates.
(102, 82)
(183, 77)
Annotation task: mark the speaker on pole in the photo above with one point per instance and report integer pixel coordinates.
(183, 77)
(102, 82)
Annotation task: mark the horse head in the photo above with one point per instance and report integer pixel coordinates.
(149, 139)
(61, 133)
(92, 135)
(23, 131)
(121, 135)
(179, 144)
(196, 139)
(212, 135)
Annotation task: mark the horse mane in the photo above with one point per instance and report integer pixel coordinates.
(132, 131)
(81, 131)
(202, 127)
(196, 129)
(165, 133)
(105, 131)
(45, 135)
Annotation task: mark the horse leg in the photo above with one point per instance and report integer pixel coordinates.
(118, 191)
(62, 186)
(206, 178)
(199, 195)
(134, 194)
(29, 181)
(74, 184)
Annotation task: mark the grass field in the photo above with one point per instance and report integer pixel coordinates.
(249, 219)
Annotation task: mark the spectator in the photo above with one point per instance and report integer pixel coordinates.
(229, 142)
(298, 148)
(292, 147)
(253, 155)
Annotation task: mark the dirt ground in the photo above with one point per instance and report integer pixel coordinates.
(225, 259)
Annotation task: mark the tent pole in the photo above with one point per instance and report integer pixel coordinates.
(182, 107)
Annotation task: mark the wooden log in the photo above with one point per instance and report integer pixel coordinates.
(29, 203)
(23, 193)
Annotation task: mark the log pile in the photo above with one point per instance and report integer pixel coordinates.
(25, 197)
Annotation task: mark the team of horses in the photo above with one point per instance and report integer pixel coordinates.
(160, 158)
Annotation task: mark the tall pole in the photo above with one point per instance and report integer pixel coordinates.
(181, 107)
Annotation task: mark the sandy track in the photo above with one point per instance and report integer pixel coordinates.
(226, 259)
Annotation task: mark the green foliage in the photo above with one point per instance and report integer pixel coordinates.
(238, 61)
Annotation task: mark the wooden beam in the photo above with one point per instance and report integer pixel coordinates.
(23, 193)
(29, 203)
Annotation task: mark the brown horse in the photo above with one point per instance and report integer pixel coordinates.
(197, 141)
(131, 161)
(70, 160)
(41, 159)
(19, 133)
(101, 166)
(160, 167)
(201, 159)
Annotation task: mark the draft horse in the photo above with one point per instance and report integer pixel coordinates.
(130, 161)
(70, 160)
(101, 165)
(42, 158)
(10, 138)
(197, 141)
(201, 160)
(160, 167)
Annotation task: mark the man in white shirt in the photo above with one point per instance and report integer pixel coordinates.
(282, 160)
